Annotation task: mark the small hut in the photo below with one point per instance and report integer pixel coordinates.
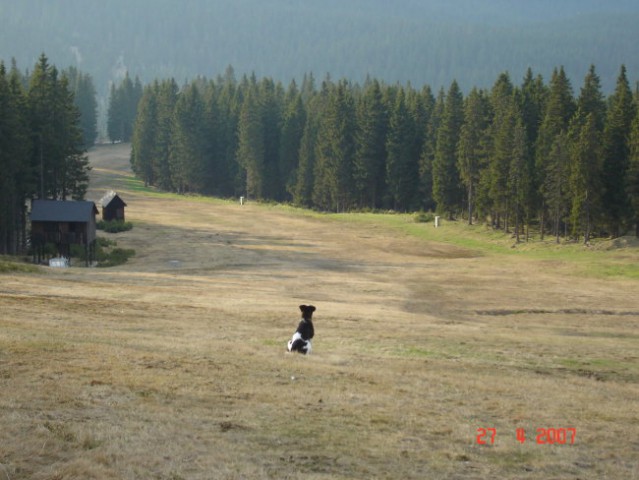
(63, 223)
(112, 207)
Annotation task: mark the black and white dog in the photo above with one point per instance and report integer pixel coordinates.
(301, 339)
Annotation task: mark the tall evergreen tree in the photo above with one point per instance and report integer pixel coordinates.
(401, 162)
(251, 147)
(447, 190)
(290, 142)
(556, 186)
(144, 136)
(632, 174)
(167, 94)
(15, 182)
(500, 148)
(585, 173)
(123, 104)
(616, 152)
(559, 109)
(58, 154)
(84, 96)
(333, 187)
(471, 151)
(370, 151)
(188, 142)
(519, 178)
(428, 150)
(271, 98)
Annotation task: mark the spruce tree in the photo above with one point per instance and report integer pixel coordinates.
(188, 142)
(632, 174)
(401, 162)
(290, 141)
(167, 94)
(144, 136)
(556, 186)
(427, 155)
(621, 113)
(447, 190)
(15, 184)
(558, 111)
(471, 149)
(333, 188)
(500, 148)
(585, 173)
(370, 151)
(251, 148)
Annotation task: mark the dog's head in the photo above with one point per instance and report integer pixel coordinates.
(307, 311)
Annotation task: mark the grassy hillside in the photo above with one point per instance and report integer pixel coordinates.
(173, 365)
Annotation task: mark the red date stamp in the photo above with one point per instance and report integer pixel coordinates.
(543, 436)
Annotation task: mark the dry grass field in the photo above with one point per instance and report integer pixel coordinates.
(173, 365)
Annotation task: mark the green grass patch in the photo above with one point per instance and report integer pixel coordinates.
(14, 265)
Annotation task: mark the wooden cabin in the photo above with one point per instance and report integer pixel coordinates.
(63, 223)
(112, 207)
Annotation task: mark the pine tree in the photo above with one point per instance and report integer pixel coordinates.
(447, 190)
(290, 142)
(144, 136)
(471, 149)
(556, 181)
(616, 152)
(335, 150)
(559, 109)
(250, 153)
(500, 148)
(632, 174)
(167, 94)
(56, 135)
(188, 142)
(427, 155)
(370, 151)
(401, 163)
(585, 172)
(123, 104)
(15, 183)
(519, 178)
(271, 98)
(84, 97)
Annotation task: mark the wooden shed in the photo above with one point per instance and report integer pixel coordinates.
(63, 223)
(112, 207)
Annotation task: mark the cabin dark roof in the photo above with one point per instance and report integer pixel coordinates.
(109, 197)
(62, 211)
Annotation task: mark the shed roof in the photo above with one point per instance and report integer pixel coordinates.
(62, 211)
(109, 197)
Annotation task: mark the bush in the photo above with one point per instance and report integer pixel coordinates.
(425, 217)
(117, 256)
(107, 253)
(114, 226)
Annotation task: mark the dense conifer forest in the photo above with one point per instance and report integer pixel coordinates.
(517, 154)
(47, 119)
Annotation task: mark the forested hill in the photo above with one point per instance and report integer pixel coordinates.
(422, 41)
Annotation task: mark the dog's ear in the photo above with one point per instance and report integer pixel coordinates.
(311, 308)
(302, 308)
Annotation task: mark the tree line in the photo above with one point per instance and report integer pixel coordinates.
(517, 156)
(43, 139)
